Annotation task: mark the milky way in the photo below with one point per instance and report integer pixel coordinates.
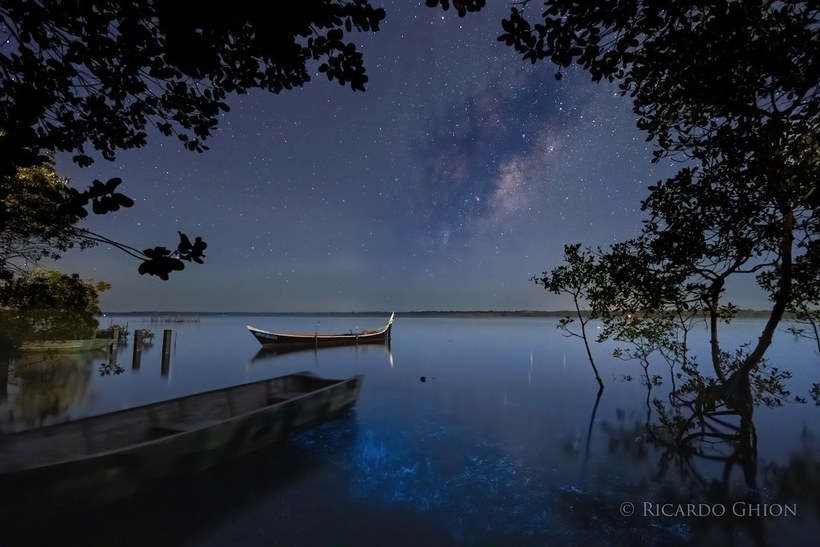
(460, 173)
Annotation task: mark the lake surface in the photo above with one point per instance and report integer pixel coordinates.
(501, 444)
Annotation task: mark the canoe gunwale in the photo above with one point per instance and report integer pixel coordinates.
(172, 430)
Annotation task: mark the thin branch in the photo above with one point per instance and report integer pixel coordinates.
(92, 236)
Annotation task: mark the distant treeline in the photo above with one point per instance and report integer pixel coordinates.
(741, 314)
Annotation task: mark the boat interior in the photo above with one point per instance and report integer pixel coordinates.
(97, 434)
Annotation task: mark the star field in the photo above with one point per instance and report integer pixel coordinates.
(460, 173)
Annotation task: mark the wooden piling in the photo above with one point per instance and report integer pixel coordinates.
(166, 351)
(112, 350)
(135, 361)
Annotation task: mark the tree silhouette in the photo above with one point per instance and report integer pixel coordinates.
(730, 89)
(577, 278)
(95, 76)
(37, 227)
(47, 305)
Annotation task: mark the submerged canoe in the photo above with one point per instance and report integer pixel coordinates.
(318, 339)
(114, 455)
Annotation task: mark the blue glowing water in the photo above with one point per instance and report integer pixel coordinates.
(497, 446)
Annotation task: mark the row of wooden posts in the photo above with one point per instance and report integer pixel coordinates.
(139, 334)
(167, 336)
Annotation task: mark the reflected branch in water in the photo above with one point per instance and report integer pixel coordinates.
(110, 368)
(710, 446)
(589, 429)
(4, 380)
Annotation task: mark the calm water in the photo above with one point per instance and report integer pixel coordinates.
(498, 446)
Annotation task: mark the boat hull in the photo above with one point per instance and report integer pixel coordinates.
(96, 460)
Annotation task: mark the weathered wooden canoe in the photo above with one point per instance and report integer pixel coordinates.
(115, 455)
(318, 339)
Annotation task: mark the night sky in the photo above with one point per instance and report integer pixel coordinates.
(460, 173)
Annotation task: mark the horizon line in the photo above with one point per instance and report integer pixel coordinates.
(372, 312)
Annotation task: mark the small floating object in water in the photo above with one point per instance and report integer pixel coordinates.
(423, 379)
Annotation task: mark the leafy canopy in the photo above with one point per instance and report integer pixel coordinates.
(730, 89)
(48, 305)
(94, 76)
(37, 227)
(96, 73)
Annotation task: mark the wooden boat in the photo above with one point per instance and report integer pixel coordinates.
(114, 455)
(317, 339)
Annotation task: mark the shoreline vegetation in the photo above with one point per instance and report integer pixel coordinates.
(187, 316)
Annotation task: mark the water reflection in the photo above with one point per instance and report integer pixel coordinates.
(271, 354)
(505, 443)
(591, 424)
(44, 387)
(4, 381)
(417, 470)
(706, 484)
(244, 493)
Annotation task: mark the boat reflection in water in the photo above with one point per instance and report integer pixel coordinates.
(507, 442)
(272, 353)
